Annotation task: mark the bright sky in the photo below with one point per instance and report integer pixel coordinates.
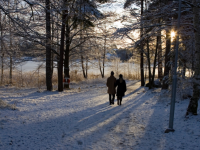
(114, 6)
(117, 8)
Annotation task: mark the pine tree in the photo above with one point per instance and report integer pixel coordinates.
(193, 105)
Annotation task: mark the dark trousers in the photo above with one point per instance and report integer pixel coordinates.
(111, 98)
(119, 100)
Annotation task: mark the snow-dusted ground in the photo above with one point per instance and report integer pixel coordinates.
(82, 119)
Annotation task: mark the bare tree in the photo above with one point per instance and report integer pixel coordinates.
(60, 67)
(2, 51)
(48, 47)
(141, 53)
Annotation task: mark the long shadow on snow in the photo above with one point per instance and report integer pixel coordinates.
(46, 103)
(133, 92)
(133, 83)
(154, 136)
(103, 118)
(34, 95)
(103, 121)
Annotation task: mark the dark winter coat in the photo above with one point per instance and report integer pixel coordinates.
(111, 85)
(121, 87)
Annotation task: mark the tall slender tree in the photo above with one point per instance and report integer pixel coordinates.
(48, 47)
(167, 56)
(67, 50)
(141, 53)
(127, 4)
(160, 66)
(167, 60)
(62, 40)
(79, 17)
(193, 105)
(2, 52)
(10, 47)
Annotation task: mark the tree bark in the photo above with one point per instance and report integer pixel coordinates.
(2, 53)
(86, 67)
(2, 68)
(141, 54)
(60, 68)
(160, 72)
(66, 61)
(11, 67)
(154, 64)
(10, 53)
(83, 67)
(100, 67)
(193, 105)
(184, 68)
(104, 57)
(58, 50)
(149, 64)
(48, 48)
(52, 39)
(167, 60)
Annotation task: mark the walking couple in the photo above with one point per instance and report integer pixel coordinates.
(112, 83)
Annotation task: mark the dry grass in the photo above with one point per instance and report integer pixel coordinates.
(4, 105)
(38, 79)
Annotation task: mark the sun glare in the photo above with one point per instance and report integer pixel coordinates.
(173, 34)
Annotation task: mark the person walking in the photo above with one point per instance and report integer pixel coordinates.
(111, 87)
(121, 89)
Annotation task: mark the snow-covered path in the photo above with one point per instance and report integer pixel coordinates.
(82, 118)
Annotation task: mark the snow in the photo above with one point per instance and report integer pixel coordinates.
(82, 119)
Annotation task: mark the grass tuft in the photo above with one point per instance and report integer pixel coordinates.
(4, 105)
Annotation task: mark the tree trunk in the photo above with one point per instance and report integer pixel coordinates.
(167, 60)
(160, 66)
(2, 68)
(86, 67)
(193, 54)
(52, 39)
(149, 64)
(193, 105)
(100, 67)
(154, 64)
(184, 69)
(48, 48)
(160, 74)
(141, 54)
(2, 53)
(82, 65)
(104, 57)
(60, 68)
(81, 39)
(10, 53)
(57, 48)
(66, 61)
(103, 73)
(11, 63)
